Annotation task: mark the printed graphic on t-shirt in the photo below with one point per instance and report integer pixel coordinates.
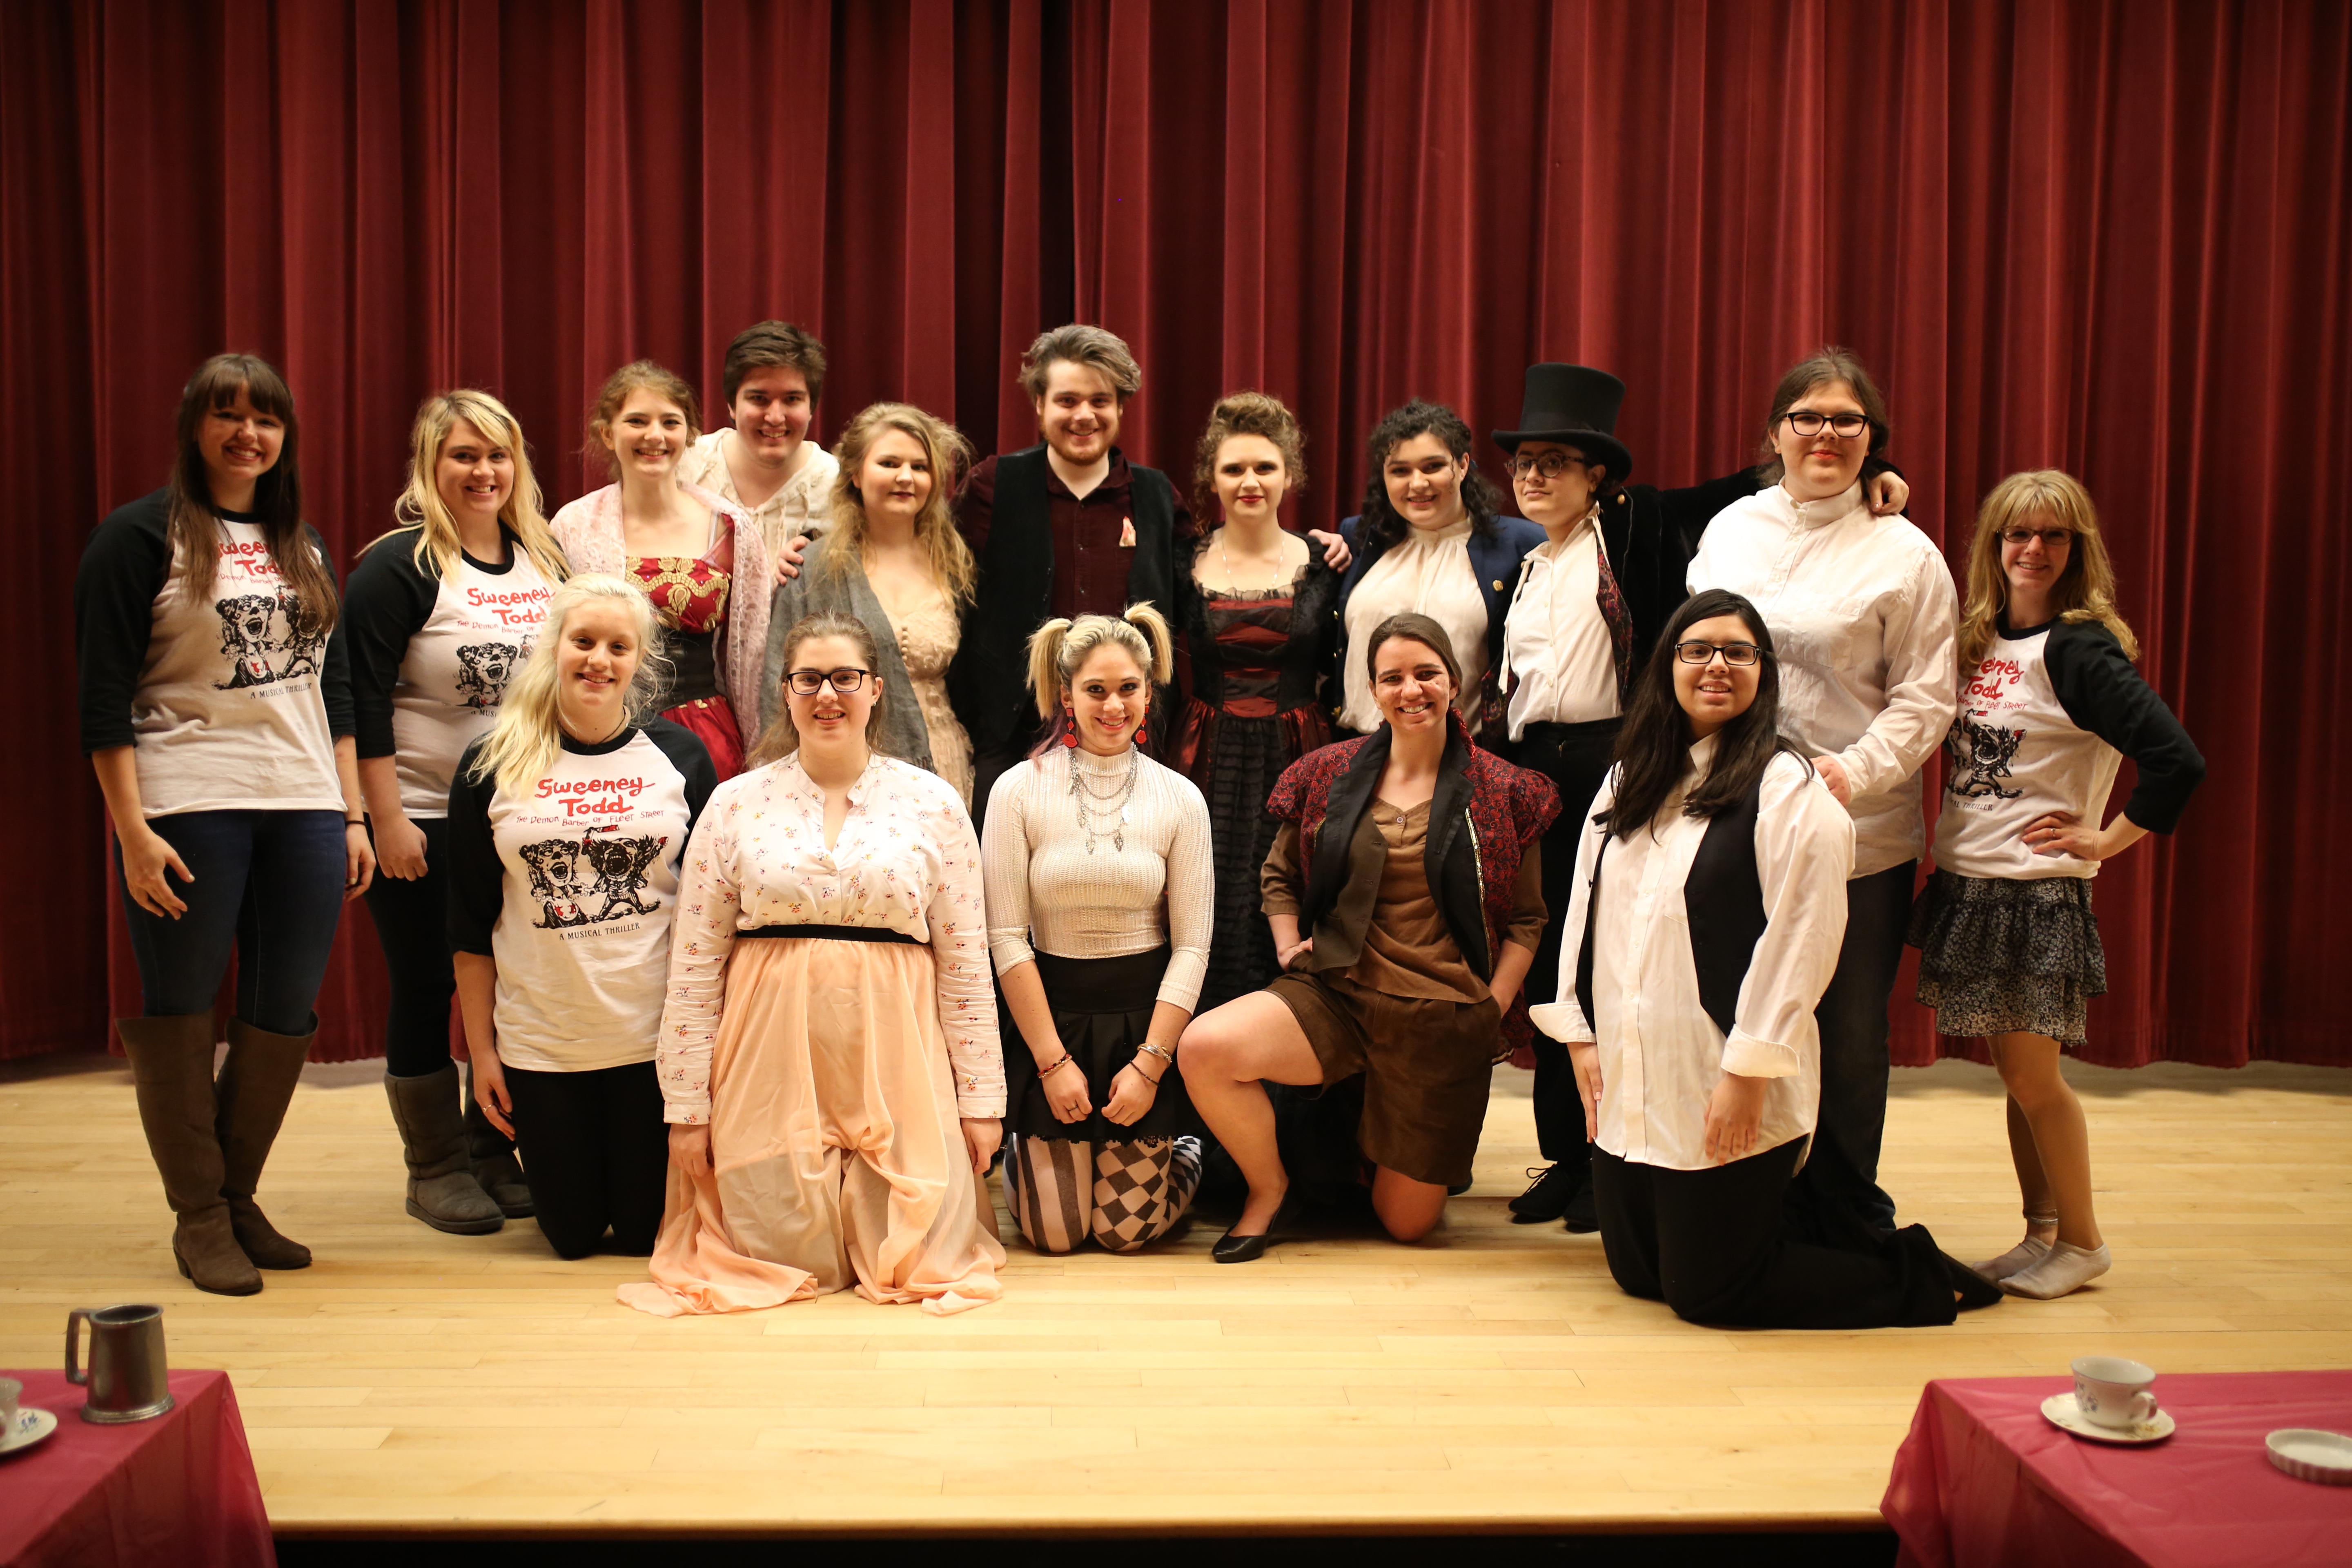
(595, 877)
(484, 669)
(1981, 755)
(267, 637)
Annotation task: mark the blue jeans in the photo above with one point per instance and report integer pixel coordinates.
(1837, 1194)
(269, 886)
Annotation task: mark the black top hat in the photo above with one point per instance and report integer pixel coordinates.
(1577, 407)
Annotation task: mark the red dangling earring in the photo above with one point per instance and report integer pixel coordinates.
(1070, 731)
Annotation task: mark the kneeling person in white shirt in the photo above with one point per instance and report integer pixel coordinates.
(1707, 913)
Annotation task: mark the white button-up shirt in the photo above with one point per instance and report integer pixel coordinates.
(1556, 642)
(1864, 622)
(1661, 1054)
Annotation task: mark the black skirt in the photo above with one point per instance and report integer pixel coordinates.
(1102, 1009)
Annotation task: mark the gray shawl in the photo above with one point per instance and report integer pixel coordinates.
(900, 731)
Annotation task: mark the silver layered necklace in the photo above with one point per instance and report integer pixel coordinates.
(1094, 806)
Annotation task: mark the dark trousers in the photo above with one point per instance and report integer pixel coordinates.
(598, 1153)
(1711, 1245)
(1838, 1190)
(268, 887)
(1576, 758)
(412, 924)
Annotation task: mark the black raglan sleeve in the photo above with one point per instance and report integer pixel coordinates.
(386, 602)
(2103, 692)
(477, 881)
(123, 569)
(335, 674)
(691, 758)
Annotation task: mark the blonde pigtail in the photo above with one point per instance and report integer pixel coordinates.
(1045, 678)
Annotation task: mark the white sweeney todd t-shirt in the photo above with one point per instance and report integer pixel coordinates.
(229, 712)
(481, 628)
(571, 886)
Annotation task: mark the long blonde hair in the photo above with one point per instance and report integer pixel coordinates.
(420, 506)
(1060, 647)
(2086, 590)
(783, 738)
(948, 455)
(523, 743)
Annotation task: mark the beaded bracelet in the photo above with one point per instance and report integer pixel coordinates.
(1054, 1066)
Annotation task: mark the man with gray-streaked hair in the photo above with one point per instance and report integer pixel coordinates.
(1066, 528)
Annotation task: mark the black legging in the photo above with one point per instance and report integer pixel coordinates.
(412, 923)
(1710, 1244)
(598, 1153)
(1575, 757)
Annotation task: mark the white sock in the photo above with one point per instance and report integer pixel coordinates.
(2023, 1255)
(2067, 1269)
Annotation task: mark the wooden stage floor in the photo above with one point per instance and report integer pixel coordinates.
(1493, 1379)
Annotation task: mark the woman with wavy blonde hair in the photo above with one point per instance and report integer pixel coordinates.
(2050, 704)
(567, 824)
(443, 611)
(891, 557)
(1100, 891)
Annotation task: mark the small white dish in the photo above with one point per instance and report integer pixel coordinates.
(2067, 1415)
(2310, 1455)
(30, 1426)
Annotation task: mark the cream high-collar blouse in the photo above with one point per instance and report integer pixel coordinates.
(1428, 573)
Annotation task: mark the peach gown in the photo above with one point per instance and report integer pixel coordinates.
(832, 1073)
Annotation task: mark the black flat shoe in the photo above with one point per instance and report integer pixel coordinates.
(1975, 1291)
(1547, 1198)
(1232, 1248)
(1582, 1217)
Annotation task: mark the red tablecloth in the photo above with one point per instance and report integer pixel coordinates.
(1984, 1479)
(179, 1489)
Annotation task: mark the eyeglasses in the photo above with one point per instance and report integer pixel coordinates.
(1844, 426)
(2052, 538)
(1738, 653)
(809, 682)
(1550, 465)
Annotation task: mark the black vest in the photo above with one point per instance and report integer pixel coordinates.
(988, 682)
(1724, 898)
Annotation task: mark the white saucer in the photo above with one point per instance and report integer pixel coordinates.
(2310, 1455)
(2067, 1415)
(31, 1426)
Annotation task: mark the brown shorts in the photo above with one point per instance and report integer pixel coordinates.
(1427, 1066)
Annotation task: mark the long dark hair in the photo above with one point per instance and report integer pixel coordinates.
(1382, 525)
(1654, 749)
(277, 494)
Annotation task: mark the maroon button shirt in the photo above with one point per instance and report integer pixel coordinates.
(1090, 563)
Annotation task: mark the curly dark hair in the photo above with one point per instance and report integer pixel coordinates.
(1382, 525)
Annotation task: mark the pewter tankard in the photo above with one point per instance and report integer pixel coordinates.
(127, 1377)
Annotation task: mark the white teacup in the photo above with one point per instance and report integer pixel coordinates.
(2113, 1392)
(11, 1391)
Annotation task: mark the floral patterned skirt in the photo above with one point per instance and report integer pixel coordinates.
(2001, 956)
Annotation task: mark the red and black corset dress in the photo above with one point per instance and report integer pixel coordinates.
(689, 595)
(1259, 659)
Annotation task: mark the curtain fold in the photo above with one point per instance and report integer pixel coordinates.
(2109, 236)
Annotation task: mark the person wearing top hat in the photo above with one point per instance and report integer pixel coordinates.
(1584, 611)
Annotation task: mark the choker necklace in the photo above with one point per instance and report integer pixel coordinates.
(1092, 806)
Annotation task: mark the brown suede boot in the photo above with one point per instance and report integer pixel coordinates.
(171, 1071)
(492, 1155)
(442, 1190)
(255, 1082)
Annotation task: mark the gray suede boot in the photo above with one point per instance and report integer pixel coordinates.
(171, 1071)
(492, 1154)
(256, 1083)
(442, 1190)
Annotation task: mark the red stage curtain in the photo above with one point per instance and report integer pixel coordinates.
(2110, 237)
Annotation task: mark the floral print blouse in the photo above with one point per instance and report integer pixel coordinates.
(906, 860)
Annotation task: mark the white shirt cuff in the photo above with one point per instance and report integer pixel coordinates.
(1563, 1021)
(1751, 1058)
